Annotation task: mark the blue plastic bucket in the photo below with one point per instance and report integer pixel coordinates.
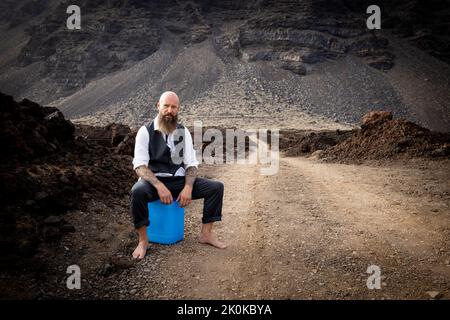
(166, 222)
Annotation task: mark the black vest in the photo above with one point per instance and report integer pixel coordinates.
(161, 158)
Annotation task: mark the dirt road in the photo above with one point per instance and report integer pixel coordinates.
(311, 232)
(308, 232)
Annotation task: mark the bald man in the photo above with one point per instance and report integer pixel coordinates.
(165, 177)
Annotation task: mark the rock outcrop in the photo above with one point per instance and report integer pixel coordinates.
(290, 34)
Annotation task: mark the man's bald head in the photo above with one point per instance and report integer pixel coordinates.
(168, 103)
(169, 97)
(168, 107)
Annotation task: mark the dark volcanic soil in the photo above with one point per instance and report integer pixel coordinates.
(390, 139)
(46, 170)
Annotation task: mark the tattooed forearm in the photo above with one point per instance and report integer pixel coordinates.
(191, 174)
(145, 173)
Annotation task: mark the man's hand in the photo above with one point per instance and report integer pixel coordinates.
(164, 194)
(185, 196)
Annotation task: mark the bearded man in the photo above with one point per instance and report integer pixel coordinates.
(168, 171)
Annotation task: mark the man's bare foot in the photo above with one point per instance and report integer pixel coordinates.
(140, 251)
(212, 240)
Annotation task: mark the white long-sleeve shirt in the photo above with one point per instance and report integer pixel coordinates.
(142, 157)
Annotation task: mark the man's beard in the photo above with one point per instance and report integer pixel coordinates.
(167, 123)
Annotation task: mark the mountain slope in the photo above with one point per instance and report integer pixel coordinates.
(285, 63)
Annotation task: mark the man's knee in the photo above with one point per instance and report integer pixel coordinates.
(218, 187)
(139, 191)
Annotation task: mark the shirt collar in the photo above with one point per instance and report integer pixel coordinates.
(155, 123)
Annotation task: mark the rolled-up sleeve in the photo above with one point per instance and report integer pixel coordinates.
(141, 156)
(189, 157)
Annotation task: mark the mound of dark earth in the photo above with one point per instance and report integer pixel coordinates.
(47, 167)
(380, 138)
(390, 139)
(297, 143)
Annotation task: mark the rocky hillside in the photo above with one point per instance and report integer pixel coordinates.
(311, 59)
